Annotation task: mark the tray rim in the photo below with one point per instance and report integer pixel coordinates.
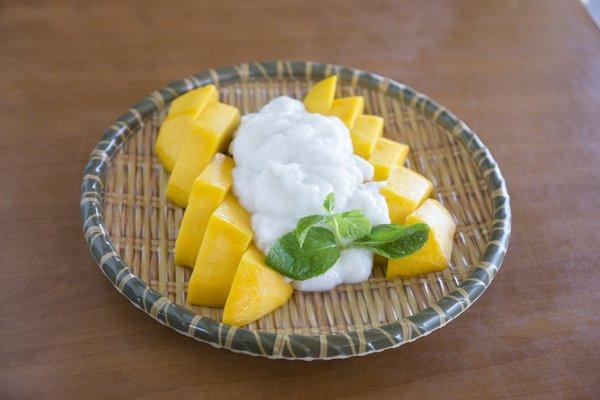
(278, 345)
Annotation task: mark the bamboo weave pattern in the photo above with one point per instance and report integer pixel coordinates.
(143, 225)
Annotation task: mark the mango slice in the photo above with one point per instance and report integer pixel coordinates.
(404, 192)
(386, 156)
(347, 109)
(215, 128)
(180, 122)
(435, 254)
(227, 237)
(170, 138)
(367, 129)
(320, 97)
(208, 192)
(256, 290)
(193, 102)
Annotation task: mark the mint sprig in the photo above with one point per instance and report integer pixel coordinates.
(315, 245)
(316, 256)
(329, 202)
(345, 226)
(351, 225)
(395, 241)
(306, 223)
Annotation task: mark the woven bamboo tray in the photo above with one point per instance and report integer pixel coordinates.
(131, 227)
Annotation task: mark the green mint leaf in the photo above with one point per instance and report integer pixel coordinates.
(385, 233)
(351, 225)
(316, 256)
(306, 223)
(395, 241)
(329, 202)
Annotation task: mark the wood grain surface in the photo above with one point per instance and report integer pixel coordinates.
(525, 75)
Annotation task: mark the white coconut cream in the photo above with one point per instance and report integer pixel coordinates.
(287, 161)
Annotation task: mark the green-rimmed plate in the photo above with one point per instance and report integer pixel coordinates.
(131, 227)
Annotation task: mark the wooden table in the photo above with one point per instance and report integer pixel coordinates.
(524, 74)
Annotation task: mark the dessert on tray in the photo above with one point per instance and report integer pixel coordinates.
(300, 195)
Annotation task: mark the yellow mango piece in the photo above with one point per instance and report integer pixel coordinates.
(256, 290)
(193, 102)
(180, 122)
(387, 154)
(435, 254)
(228, 235)
(367, 129)
(208, 192)
(404, 192)
(347, 109)
(320, 97)
(170, 138)
(215, 128)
